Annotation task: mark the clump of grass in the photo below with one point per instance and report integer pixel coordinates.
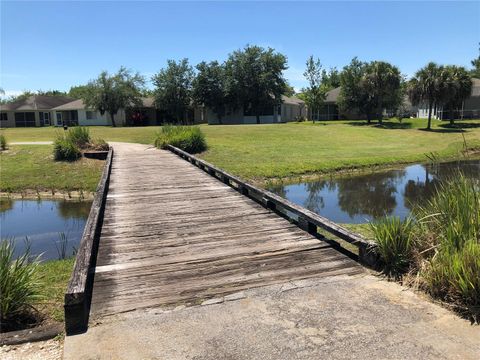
(188, 138)
(80, 136)
(61, 245)
(3, 142)
(449, 232)
(19, 288)
(65, 150)
(99, 145)
(395, 244)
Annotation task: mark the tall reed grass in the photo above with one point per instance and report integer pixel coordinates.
(188, 138)
(19, 287)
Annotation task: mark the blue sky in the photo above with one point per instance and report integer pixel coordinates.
(53, 45)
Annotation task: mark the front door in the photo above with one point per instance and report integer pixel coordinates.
(59, 119)
(46, 118)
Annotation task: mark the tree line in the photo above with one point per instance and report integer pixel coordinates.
(252, 79)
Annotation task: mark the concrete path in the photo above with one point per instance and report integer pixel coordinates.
(32, 143)
(343, 317)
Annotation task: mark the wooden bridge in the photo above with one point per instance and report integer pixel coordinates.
(166, 231)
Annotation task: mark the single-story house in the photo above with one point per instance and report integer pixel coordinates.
(40, 110)
(290, 109)
(35, 110)
(330, 110)
(470, 108)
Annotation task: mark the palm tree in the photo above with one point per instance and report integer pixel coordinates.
(427, 87)
(457, 87)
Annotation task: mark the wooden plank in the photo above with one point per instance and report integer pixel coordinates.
(77, 296)
(172, 234)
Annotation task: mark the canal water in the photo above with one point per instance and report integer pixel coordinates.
(362, 198)
(53, 227)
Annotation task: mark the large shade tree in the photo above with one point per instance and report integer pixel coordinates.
(456, 89)
(111, 92)
(173, 89)
(313, 94)
(427, 87)
(254, 79)
(353, 96)
(209, 87)
(382, 84)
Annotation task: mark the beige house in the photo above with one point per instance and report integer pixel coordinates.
(36, 110)
(470, 108)
(290, 109)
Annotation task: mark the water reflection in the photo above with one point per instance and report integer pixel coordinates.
(361, 198)
(42, 221)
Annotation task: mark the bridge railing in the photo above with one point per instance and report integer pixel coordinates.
(304, 218)
(79, 290)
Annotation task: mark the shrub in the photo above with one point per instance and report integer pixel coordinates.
(3, 142)
(394, 239)
(65, 150)
(188, 138)
(18, 283)
(99, 145)
(79, 135)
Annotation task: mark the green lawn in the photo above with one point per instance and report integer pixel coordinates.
(31, 167)
(260, 152)
(53, 279)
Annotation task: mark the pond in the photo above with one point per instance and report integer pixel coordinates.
(53, 227)
(362, 198)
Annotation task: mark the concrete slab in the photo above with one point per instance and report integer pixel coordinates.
(342, 317)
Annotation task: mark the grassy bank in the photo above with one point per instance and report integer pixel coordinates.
(284, 150)
(54, 276)
(32, 167)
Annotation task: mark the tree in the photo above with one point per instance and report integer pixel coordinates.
(254, 79)
(382, 84)
(289, 90)
(330, 79)
(209, 88)
(78, 92)
(173, 89)
(427, 86)
(313, 94)
(457, 87)
(353, 96)
(112, 92)
(369, 88)
(51, 93)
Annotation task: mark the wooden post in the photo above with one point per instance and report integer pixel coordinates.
(307, 226)
(269, 204)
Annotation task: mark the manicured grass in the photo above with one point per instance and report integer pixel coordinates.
(283, 150)
(31, 167)
(53, 278)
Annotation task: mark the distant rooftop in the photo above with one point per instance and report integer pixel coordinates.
(37, 102)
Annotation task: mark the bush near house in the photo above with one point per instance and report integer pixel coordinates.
(188, 138)
(441, 247)
(3, 142)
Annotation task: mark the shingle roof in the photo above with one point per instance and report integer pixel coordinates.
(37, 102)
(332, 95)
(72, 105)
(291, 100)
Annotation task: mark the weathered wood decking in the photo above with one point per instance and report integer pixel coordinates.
(173, 234)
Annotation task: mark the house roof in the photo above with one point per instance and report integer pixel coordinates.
(291, 100)
(37, 102)
(332, 95)
(80, 105)
(72, 105)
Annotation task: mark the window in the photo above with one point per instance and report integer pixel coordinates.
(3, 117)
(91, 115)
(25, 119)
